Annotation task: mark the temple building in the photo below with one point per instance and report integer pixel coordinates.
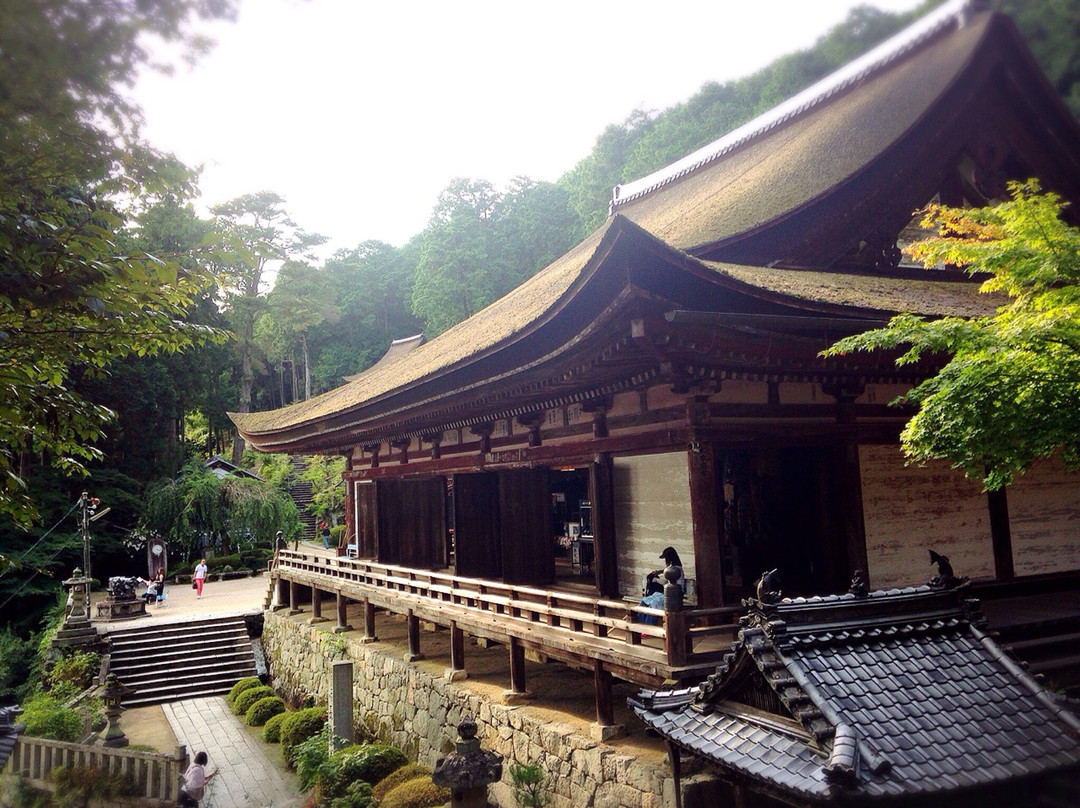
(517, 477)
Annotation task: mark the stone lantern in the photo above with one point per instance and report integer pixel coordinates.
(112, 694)
(469, 771)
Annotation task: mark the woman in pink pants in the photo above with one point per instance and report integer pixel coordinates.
(200, 576)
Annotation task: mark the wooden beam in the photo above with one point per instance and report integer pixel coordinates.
(414, 654)
(517, 666)
(457, 653)
(369, 621)
(1001, 535)
(605, 705)
(605, 551)
(316, 606)
(342, 614)
(294, 598)
(705, 513)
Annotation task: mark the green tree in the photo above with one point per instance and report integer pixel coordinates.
(198, 503)
(327, 488)
(257, 233)
(73, 169)
(1009, 393)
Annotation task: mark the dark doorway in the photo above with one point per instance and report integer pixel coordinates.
(572, 535)
(777, 516)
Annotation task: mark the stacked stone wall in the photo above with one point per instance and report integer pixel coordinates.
(400, 703)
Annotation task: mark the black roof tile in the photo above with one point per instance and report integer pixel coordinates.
(931, 703)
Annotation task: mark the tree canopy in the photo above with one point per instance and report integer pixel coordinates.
(73, 171)
(1009, 392)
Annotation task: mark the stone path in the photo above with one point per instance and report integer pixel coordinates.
(245, 779)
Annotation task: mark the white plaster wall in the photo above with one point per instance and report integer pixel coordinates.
(1044, 519)
(909, 510)
(652, 510)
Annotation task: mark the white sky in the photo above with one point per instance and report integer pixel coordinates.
(360, 112)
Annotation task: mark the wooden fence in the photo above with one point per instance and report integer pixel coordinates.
(156, 776)
(684, 643)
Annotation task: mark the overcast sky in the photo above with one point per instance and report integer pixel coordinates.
(359, 113)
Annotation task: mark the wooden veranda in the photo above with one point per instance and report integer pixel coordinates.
(607, 637)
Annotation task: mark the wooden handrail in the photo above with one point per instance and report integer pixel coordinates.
(682, 636)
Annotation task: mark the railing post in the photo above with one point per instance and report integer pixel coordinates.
(674, 618)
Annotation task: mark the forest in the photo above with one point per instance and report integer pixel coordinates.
(130, 410)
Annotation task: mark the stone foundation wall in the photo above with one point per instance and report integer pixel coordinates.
(418, 712)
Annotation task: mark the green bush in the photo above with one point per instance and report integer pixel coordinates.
(241, 686)
(312, 760)
(418, 793)
(357, 795)
(408, 772)
(369, 763)
(75, 668)
(79, 784)
(47, 717)
(263, 710)
(242, 703)
(298, 727)
(272, 729)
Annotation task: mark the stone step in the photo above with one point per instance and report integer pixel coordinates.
(206, 687)
(171, 661)
(131, 644)
(180, 678)
(128, 669)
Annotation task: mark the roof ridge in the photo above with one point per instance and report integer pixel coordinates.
(884, 54)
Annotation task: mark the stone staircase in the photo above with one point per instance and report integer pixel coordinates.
(169, 662)
(300, 491)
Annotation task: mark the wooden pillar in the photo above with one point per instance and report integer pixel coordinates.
(847, 516)
(457, 654)
(605, 553)
(414, 638)
(369, 621)
(517, 667)
(342, 614)
(294, 598)
(316, 606)
(1001, 535)
(350, 504)
(676, 774)
(605, 705)
(705, 514)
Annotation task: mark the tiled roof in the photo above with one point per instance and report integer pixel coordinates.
(9, 732)
(889, 695)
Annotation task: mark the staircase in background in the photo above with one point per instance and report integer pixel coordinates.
(169, 662)
(300, 491)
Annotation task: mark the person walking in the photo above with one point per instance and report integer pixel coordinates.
(195, 780)
(325, 535)
(200, 577)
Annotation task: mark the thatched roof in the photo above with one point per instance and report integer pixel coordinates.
(788, 161)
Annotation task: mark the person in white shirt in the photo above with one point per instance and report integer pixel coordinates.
(200, 577)
(195, 780)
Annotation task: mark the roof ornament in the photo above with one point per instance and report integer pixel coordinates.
(945, 579)
(768, 587)
(858, 586)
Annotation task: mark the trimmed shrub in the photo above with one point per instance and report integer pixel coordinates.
(263, 710)
(272, 729)
(248, 697)
(241, 686)
(410, 771)
(417, 793)
(297, 727)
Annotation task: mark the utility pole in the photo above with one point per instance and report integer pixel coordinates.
(89, 506)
